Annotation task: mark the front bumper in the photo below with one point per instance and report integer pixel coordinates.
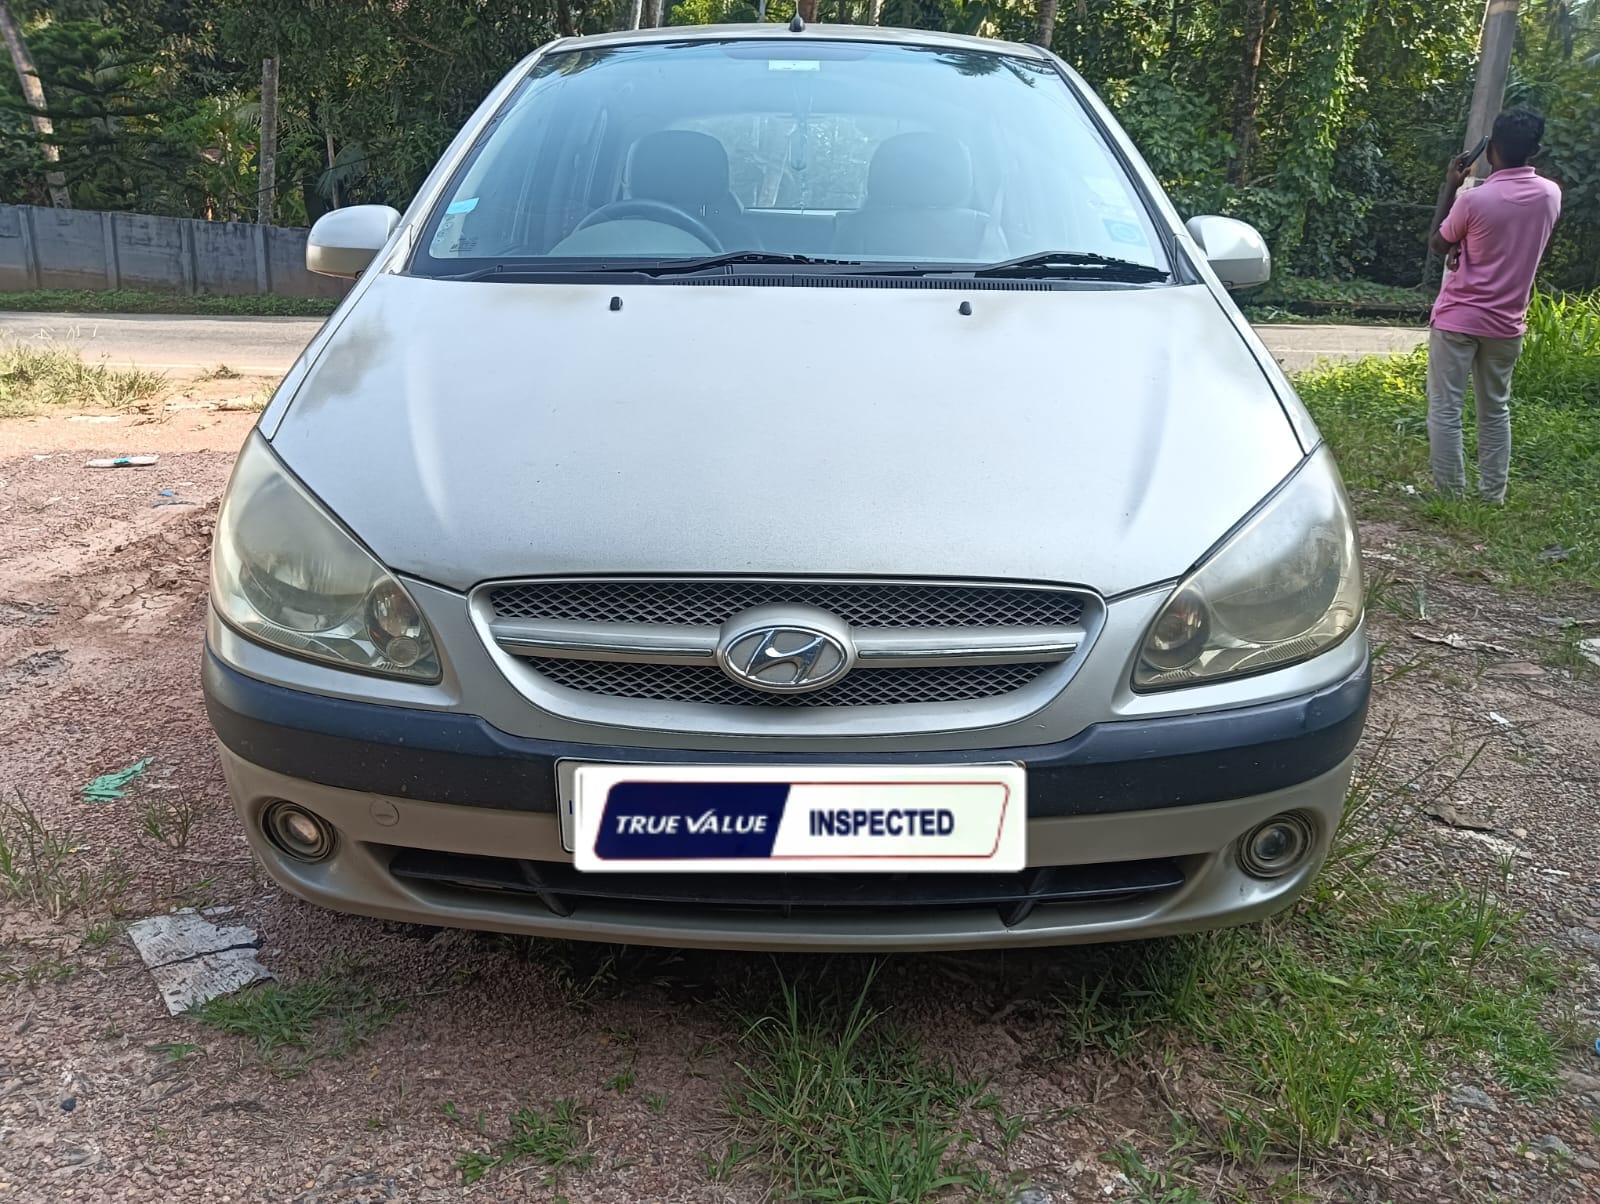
(444, 819)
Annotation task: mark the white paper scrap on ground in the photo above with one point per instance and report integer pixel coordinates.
(1590, 649)
(193, 960)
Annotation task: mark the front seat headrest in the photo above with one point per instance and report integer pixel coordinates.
(922, 171)
(681, 167)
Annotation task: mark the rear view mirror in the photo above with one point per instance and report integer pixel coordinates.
(1235, 250)
(343, 242)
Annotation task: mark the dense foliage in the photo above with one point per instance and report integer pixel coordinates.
(1326, 122)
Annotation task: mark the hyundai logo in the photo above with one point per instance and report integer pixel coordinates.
(785, 657)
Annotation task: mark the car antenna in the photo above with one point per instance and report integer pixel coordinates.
(798, 25)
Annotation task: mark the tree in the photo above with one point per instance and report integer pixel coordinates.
(33, 95)
(1245, 90)
(1044, 33)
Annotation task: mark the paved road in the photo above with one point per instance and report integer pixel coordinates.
(264, 346)
(267, 346)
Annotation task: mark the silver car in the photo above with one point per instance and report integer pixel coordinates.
(793, 489)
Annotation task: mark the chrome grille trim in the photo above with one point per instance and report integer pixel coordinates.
(619, 649)
(876, 647)
(902, 647)
(644, 643)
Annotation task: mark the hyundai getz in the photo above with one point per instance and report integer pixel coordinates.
(794, 489)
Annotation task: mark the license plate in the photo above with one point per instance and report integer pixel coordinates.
(790, 819)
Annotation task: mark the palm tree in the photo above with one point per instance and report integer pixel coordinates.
(1044, 33)
(33, 94)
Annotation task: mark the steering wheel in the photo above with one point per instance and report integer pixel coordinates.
(655, 211)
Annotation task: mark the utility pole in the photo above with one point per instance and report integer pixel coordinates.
(1488, 91)
(1494, 60)
(267, 174)
(55, 180)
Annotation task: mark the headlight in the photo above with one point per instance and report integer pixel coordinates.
(1284, 587)
(285, 573)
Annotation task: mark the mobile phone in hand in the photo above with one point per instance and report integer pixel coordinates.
(1465, 161)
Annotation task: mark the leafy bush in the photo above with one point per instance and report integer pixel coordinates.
(1342, 292)
(140, 301)
(1358, 298)
(1179, 135)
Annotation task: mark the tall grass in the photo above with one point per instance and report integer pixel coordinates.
(1560, 364)
(38, 378)
(1374, 413)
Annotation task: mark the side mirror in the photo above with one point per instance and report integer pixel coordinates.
(343, 242)
(1236, 251)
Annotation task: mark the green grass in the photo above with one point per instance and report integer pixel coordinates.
(34, 378)
(100, 934)
(834, 1105)
(141, 301)
(43, 869)
(21, 967)
(174, 1051)
(553, 1140)
(1184, 1176)
(168, 821)
(1149, 1185)
(1345, 1017)
(1374, 413)
(295, 1025)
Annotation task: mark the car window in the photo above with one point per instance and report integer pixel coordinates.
(780, 161)
(872, 152)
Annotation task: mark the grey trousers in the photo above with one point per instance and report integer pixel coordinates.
(1452, 357)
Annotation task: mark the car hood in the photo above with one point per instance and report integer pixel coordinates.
(471, 431)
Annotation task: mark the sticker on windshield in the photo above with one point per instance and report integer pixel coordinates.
(466, 206)
(1127, 233)
(794, 65)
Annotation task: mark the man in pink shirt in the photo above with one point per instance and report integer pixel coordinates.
(1492, 237)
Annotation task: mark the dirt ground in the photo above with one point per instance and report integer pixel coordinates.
(102, 597)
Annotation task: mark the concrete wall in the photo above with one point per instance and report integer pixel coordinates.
(80, 248)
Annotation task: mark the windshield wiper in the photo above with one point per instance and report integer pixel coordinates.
(641, 267)
(509, 272)
(1075, 265)
(1061, 265)
(672, 267)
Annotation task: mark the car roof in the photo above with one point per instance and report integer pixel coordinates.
(781, 32)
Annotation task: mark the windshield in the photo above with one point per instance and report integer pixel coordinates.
(845, 151)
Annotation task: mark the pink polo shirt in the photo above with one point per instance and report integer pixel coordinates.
(1502, 225)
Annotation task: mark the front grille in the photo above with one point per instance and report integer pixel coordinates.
(859, 603)
(865, 688)
(564, 890)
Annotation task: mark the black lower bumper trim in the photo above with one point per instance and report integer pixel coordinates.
(563, 889)
(443, 757)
